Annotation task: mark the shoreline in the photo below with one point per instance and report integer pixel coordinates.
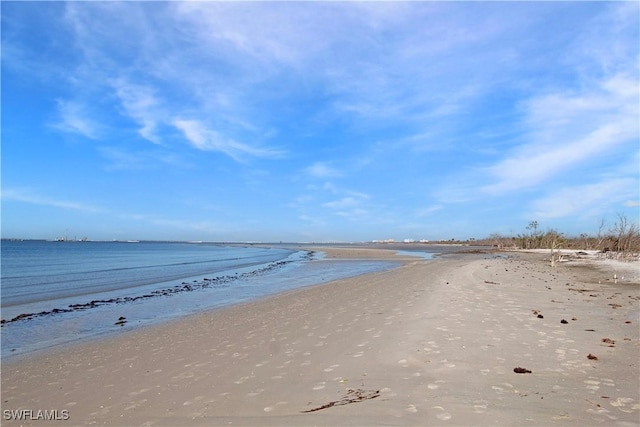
(429, 342)
(362, 254)
(92, 318)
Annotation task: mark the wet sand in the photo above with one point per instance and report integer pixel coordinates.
(433, 342)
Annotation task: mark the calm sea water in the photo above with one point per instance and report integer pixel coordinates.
(38, 271)
(58, 292)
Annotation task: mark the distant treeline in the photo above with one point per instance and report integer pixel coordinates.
(620, 239)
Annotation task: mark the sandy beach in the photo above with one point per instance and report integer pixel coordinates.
(432, 342)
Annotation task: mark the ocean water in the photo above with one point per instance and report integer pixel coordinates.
(54, 293)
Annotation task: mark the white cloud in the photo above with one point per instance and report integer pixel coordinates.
(74, 118)
(343, 203)
(140, 103)
(353, 206)
(26, 196)
(202, 138)
(590, 199)
(322, 170)
(566, 130)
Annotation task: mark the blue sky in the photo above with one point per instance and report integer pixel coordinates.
(317, 121)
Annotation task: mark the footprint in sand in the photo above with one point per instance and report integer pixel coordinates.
(411, 409)
(136, 393)
(602, 411)
(592, 385)
(445, 416)
(448, 364)
(625, 404)
(479, 409)
(255, 392)
(442, 416)
(191, 402)
(135, 404)
(183, 376)
(242, 379)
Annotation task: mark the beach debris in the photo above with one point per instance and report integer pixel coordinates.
(609, 341)
(564, 322)
(537, 314)
(592, 357)
(594, 404)
(352, 396)
(491, 283)
(521, 371)
(121, 321)
(217, 282)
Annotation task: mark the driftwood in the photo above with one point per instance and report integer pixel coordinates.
(352, 396)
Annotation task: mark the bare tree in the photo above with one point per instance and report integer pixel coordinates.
(600, 236)
(533, 241)
(624, 234)
(554, 240)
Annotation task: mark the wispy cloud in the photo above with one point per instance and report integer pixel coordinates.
(74, 118)
(198, 69)
(202, 138)
(140, 103)
(352, 206)
(124, 158)
(566, 130)
(349, 202)
(322, 170)
(27, 196)
(581, 200)
(402, 112)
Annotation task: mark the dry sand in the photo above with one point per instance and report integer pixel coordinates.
(428, 343)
